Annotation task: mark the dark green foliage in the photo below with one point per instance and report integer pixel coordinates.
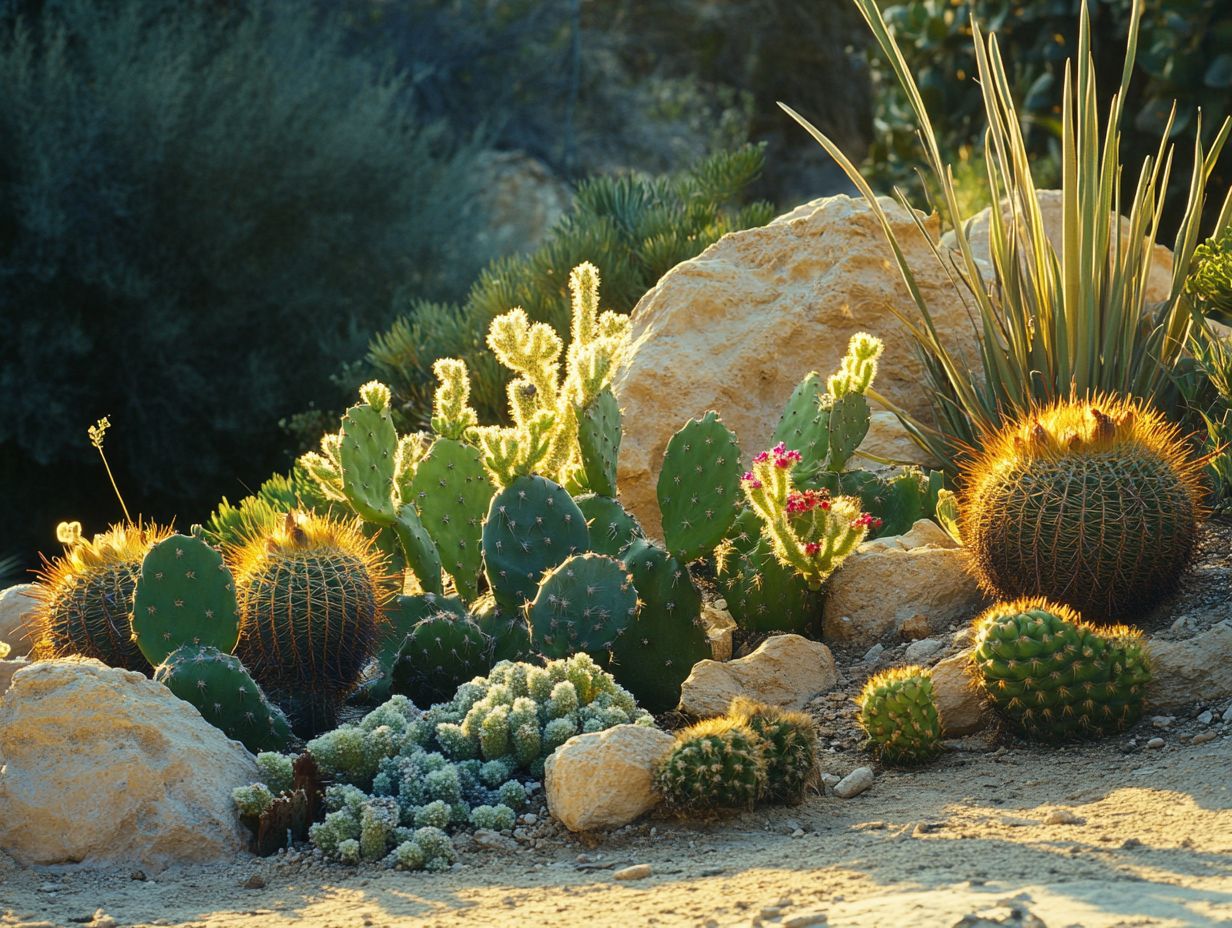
(201, 206)
(401, 617)
(259, 513)
(225, 695)
(634, 228)
(599, 436)
(532, 526)
(1210, 397)
(657, 651)
(1054, 677)
(185, 595)
(585, 604)
(699, 487)
(441, 653)
(611, 527)
(1185, 55)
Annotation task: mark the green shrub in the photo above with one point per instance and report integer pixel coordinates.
(635, 228)
(201, 205)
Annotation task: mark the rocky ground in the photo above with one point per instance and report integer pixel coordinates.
(1132, 831)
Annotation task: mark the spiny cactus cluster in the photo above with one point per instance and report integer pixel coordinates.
(1053, 676)
(754, 753)
(1092, 503)
(898, 713)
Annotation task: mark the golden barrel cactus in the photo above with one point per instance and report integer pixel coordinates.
(1091, 503)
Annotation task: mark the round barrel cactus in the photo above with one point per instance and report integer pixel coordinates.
(1091, 503)
(898, 712)
(86, 597)
(311, 596)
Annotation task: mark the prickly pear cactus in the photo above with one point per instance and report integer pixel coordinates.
(185, 595)
(897, 498)
(1053, 676)
(403, 613)
(507, 628)
(225, 695)
(1094, 504)
(716, 764)
(532, 526)
(805, 423)
(418, 549)
(699, 487)
(441, 653)
(598, 441)
(585, 604)
(311, 595)
(611, 528)
(762, 594)
(367, 453)
(451, 493)
(85, 598)
(790, 747)
(898, 712)
(659, 648)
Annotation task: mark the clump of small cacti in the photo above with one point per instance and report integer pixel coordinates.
(85, 597)
(898, 712)
(520, 713)
(1053, 676)
(753, 753)
(311, 596)
(1092, 503)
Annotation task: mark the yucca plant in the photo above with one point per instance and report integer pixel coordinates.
(1052, 322)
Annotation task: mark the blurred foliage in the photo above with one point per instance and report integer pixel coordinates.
(202, 207)
(1185, 54)
(633, 228)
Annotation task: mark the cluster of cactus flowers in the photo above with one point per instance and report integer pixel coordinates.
(755, 753)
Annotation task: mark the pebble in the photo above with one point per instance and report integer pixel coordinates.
(1130, 843)
(830, 780)
(138, 875)
(798, 833)
(872, 655)
(1063, 817)
(494, 840)
(1227, 714)
(854, 783)
(636, 872)
(771, 912)
(256, 881)
(1206, 717)
(102, 920)
(922, 649)
(1155, 743)
(805, 920)
(1203, 737)
(1163, 721)
(530, 818)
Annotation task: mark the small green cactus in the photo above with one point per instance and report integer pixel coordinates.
(226, 696)
(585, 604)
(442, 652)
(185, 595)
(716, 764)
(898, 712)
(531, 527)
(699, 487)
(790, 744)
(1053, 676)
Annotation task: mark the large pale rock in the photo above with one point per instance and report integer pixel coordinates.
(1159, 279)
(786, 670)
(1196, 670)
(605, 779)
(105, 767)
(736, 328)
(916, 582)
(17, 605)
(7, 669)
(960, 702)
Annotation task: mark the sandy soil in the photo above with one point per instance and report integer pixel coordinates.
(1118, 833)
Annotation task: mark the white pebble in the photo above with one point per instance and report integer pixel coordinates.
(1206, 717)
(1163, 721)
(1155, 743)
(872, 655)
(922, 649)
(636, 872)
(1227, 714)
(1062, 817)
(854, 783)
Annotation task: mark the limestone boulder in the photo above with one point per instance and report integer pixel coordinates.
(786, 671)
(1191, 671)
(960, 703)
(605, 779)
(104, 767)
(911, 585)
(736, 328)
(17, 606)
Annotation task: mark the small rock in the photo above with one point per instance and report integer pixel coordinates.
(854, 783)
(17, 607)
(829, 781)
(102, 920)
(636, 872)
(915, 627)
(1063, 817)
(1155, 743)
(770, 912)
(798, 833)
(530, 818)
(1203, 737)
(1196, 668)
(1130, 843)
(923, 649)
(1206, 717)
(1227, 715)
(785, 670)
(960, 701)
(494, 840)
(256, 881)
(719, 626)
(1163, 721)
(805, 920)
(873, 654)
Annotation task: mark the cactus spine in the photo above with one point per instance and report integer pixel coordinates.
(898, 712)
(1092, 503)
(1055, 677)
